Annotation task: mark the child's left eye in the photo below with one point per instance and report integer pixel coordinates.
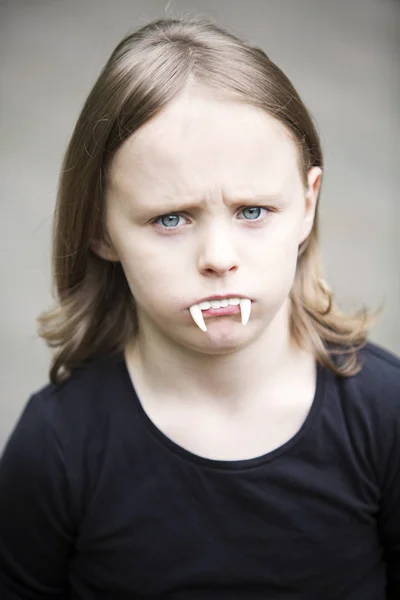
(252, 213)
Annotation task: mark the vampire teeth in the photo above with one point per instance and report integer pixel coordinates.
(197, 314)
(245, 309)
(197, 317)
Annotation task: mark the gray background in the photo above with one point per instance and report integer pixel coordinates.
(343, 57)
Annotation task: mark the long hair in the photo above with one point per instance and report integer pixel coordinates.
(95, 312)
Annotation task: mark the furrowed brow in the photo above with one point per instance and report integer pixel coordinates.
(174, 206)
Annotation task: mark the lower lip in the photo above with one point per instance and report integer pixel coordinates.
(217, 312)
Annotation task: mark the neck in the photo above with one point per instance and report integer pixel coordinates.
(172, 370)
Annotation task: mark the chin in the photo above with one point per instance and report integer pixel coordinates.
(223, 339)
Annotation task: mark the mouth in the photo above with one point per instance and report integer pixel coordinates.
(218, 306)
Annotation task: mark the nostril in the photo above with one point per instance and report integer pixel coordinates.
(220, 269)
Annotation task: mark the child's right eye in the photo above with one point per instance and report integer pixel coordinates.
(170, 221)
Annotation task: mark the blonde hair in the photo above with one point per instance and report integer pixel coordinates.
(95, 312)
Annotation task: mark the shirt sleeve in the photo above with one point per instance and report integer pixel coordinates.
(36, 531)
(389, 515)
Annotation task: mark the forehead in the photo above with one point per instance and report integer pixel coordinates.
(200, 142)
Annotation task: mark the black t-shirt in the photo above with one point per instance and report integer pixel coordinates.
(96, 502)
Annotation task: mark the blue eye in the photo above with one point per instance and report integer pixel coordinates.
(251, 213)
(169, 221)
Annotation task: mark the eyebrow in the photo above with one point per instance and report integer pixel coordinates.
(177, 207)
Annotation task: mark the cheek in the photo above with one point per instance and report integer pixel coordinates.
(152, 275)
(278, 248)
(275, 263)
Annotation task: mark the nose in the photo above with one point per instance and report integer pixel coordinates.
(217, 255)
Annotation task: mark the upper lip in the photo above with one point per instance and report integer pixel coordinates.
(220, 297)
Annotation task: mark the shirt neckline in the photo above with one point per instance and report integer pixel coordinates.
(228, 465)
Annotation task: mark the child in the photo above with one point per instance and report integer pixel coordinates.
(214, 426)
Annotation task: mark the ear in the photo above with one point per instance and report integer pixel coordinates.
(314, 178)
(104, 249)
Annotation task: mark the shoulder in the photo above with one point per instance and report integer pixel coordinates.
(377, 361)
(371, 398)
(86, 393)
(66, 428)
(378, 380)
(76, 414)
(379, 393)
(379, 376)
(363, 411)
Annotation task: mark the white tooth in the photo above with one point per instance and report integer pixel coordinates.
(197, 317)
(205, 305)
(224, 303)
(234, 301)
(215, 304)
(245, 308)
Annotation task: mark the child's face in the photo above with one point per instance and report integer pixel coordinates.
(180, 217)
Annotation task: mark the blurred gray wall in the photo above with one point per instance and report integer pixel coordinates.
(343, 57)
